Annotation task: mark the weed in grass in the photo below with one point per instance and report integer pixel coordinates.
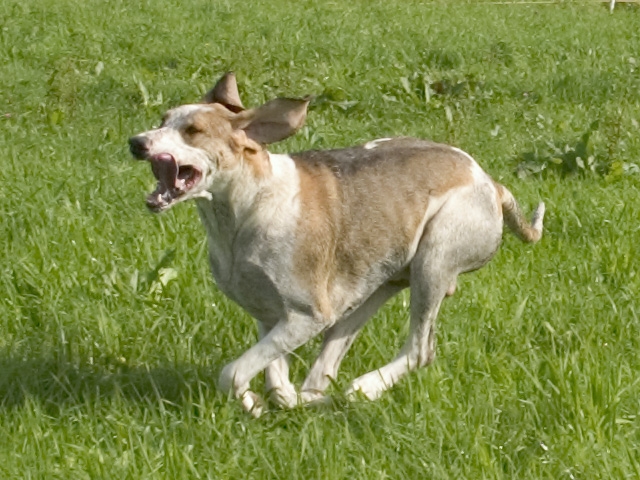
(578, 157)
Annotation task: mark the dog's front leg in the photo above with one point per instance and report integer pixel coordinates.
(276, 378)
(287, 335)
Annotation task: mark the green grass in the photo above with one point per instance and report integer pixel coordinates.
(107, 369)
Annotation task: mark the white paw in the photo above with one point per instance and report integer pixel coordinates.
(314, 397)
(371, 385)
(284, 397)
(252, 403)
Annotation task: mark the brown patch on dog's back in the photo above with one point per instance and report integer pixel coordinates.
(363, 207)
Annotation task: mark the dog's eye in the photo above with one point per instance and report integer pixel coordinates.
(192, 130)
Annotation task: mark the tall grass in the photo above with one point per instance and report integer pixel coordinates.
(112, 332)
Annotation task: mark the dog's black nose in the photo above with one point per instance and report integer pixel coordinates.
(138, 147)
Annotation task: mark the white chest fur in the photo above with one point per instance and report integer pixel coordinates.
(251, 238)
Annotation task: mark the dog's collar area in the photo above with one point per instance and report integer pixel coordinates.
(173, 181)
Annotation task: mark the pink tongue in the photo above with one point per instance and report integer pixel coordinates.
(165, 169)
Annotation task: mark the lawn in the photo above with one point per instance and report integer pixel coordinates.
(112, 331)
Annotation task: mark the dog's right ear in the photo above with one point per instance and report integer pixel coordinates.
(225, 92)
(273, 121)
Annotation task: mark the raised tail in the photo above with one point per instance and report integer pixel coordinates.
(517, 222)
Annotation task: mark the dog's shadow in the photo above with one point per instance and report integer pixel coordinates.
(56, 383)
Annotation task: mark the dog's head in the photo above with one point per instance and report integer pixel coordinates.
(198, 148)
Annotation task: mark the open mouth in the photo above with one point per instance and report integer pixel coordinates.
(174, 181)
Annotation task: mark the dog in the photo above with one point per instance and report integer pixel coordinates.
(316, 242)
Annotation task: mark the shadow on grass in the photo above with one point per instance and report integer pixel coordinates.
(57, 384)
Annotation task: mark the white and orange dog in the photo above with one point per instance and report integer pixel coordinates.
(315, 242)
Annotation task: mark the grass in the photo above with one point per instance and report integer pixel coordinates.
(112, 332)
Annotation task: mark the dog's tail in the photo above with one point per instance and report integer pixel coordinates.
(516, 221)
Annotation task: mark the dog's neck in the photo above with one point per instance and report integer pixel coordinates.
(227, 207)
(232, 192)
(243, 201)
(241, 191)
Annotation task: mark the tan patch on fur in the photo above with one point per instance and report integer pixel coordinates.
(316, 233)
(213, 121)
(353, 222)
(253, 153)
(211, 128)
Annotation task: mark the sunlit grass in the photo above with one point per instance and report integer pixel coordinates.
(108, 370)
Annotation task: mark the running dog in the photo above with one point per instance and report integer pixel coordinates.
(316, 242)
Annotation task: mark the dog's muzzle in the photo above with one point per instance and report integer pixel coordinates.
(173, 180)
(138, 148)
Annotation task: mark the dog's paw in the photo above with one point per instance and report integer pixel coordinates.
(252, 403)
(283, 397)
(314, 398)
(369, 386)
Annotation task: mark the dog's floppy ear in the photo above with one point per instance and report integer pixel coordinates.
(225, 92)
(273, 121)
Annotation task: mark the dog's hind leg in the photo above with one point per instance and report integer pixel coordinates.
(419, 348)
(463, 236)
(336, 343)
(276, 378)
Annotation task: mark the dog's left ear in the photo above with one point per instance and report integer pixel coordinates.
(273, 121)
(225, 92)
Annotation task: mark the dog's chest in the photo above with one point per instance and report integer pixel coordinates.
(252, 268)
(257, 279)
